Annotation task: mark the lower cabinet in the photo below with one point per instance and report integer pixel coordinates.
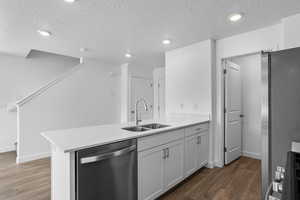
(151, 173)
(196, 152)
(160, 168)
(166, 159)
(173, 171)
(191, 155)
(203, 149)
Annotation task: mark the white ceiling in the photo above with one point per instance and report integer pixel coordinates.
(109, 28)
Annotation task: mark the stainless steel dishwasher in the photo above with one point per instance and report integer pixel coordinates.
(107, 172)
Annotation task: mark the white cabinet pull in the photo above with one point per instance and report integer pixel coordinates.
(199, 140)
(166, 153)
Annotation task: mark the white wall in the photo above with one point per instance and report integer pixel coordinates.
(159, 92)
(135, 71)
(90, 96)
(283, 35)
(18, 77)
(250, 42)
(8, 130)
(140, 70)
(125, 92)
(251, 104)
(291, 31)
(188, 79)
(189, 83)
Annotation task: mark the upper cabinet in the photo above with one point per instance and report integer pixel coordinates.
(188, 78)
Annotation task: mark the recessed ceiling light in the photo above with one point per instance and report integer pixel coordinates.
(235, 17)
(166, 41)
(128, 55)
(44, 33)
(70, 1)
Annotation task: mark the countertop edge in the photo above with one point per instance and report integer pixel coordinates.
(131, 137)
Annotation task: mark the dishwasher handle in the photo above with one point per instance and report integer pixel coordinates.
(97, 158)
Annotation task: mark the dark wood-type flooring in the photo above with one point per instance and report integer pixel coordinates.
(237, 181)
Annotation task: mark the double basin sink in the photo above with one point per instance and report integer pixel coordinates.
(145, 127)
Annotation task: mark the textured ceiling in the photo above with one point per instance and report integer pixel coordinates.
(109, 28)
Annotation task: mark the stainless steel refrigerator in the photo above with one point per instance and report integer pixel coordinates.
(280, 109)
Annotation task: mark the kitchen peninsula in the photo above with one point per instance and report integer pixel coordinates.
(165, 156)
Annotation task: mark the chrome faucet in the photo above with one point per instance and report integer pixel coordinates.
(137, 120)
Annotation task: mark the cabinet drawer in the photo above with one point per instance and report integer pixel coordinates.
(159, 139)
(196, 129)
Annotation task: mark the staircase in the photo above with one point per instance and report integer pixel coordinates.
(13, 108)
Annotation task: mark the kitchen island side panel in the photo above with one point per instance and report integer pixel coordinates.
(62, 174)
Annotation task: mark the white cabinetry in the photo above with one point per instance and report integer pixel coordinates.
(167, 158)
(160, 167)
(196, 148)
(151, 173)
(203, 149)
(173, 172)
(191, 154)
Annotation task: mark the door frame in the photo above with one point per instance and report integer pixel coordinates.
(131, 77)
(224, 104)
(223, 64)
(265, 127)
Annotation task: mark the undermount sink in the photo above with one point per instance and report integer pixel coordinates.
(145, 127)
(155, 126)
(136, 129)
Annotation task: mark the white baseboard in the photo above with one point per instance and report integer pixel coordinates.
(7, 149)
(218, 163)
(23, 159)
(252, 155)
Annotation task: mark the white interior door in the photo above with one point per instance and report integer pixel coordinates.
(233, 129)
(141, 88)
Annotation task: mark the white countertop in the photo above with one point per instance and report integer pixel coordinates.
(80, 138)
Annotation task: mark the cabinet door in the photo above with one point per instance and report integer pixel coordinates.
(190, 155)
(173, 171)
(150, 173)
(203, 149)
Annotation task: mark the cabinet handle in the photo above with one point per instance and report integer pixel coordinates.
(168, 152)
(164, 154)
(199, 140)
